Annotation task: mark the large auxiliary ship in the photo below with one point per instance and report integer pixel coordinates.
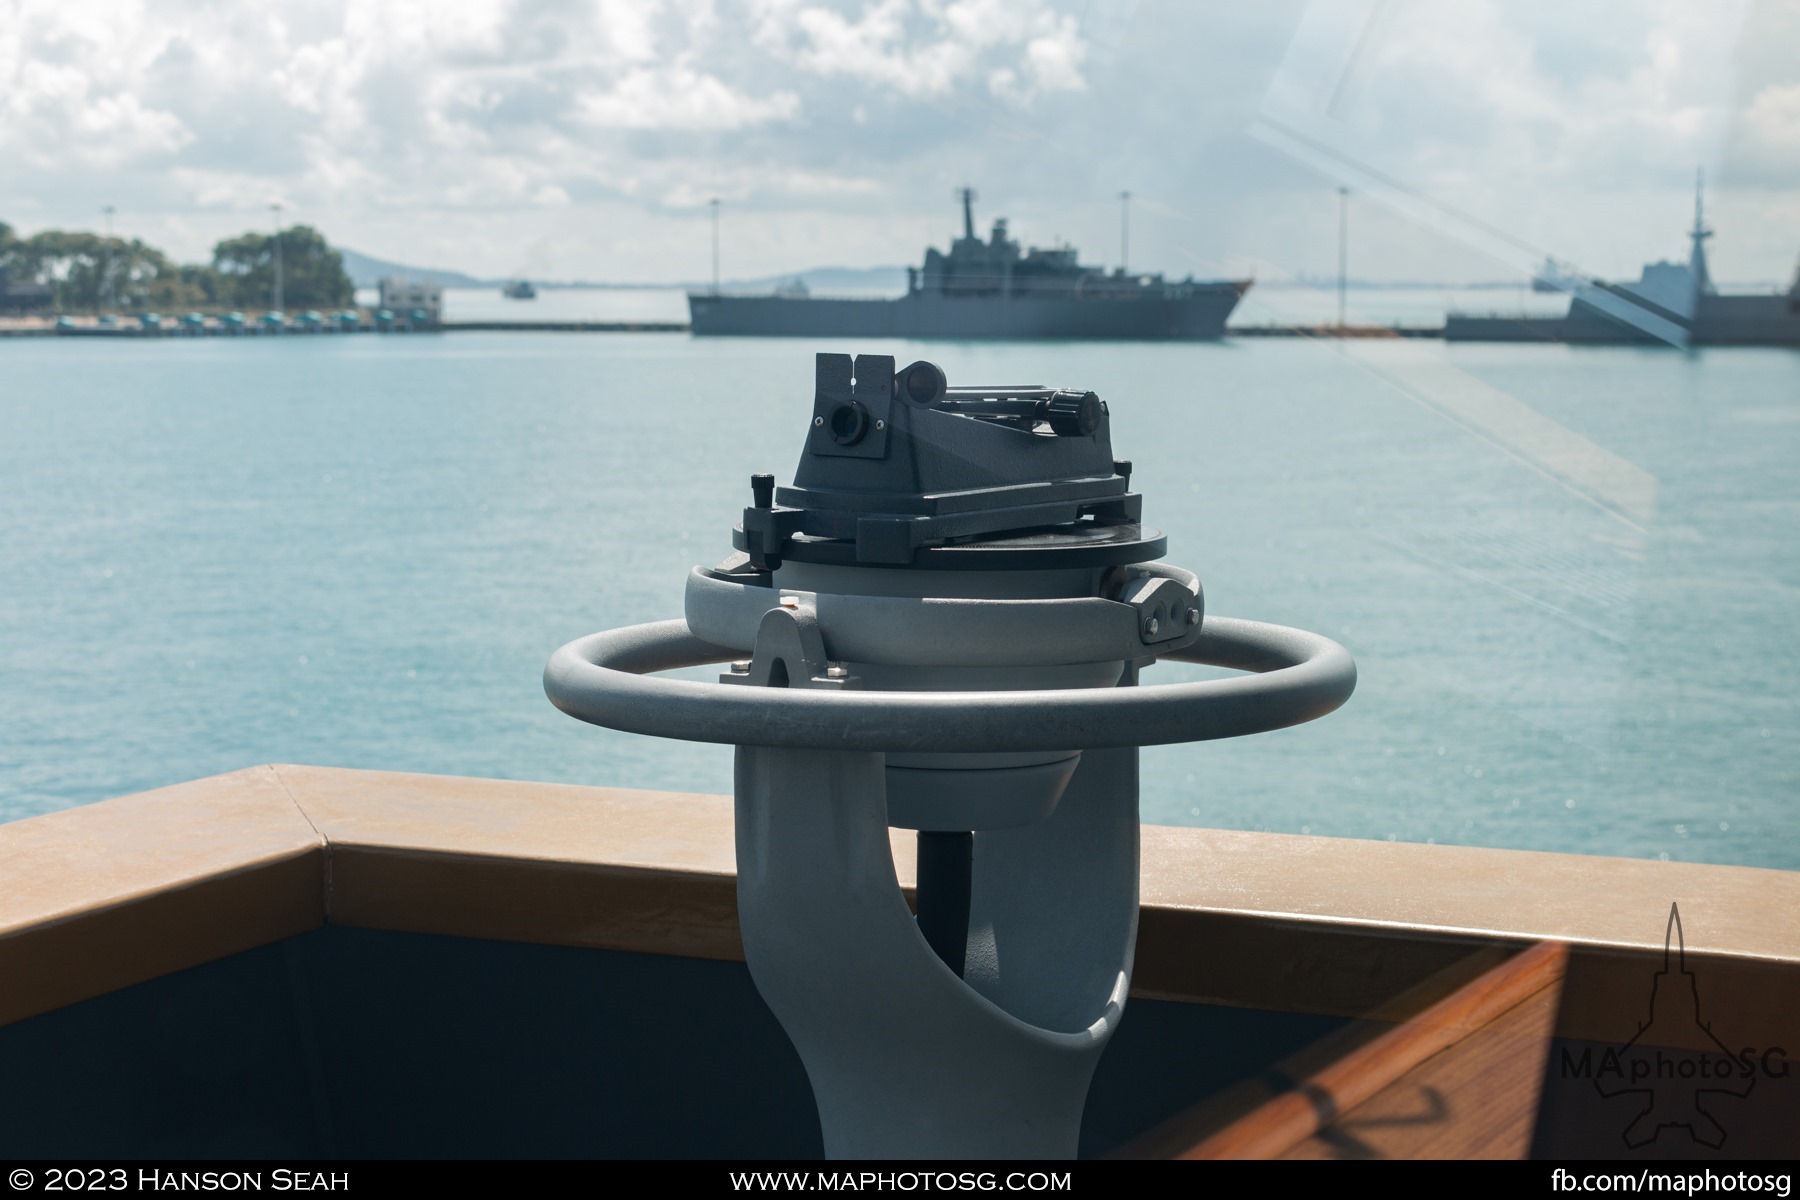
(987, 290)
(1670, 302)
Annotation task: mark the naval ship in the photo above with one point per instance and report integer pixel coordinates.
(989, 290)
(1670, 302)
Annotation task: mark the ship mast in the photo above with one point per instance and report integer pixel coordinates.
(1697, 259)
(967, 196)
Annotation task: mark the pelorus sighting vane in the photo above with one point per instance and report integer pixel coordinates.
(939, 625)
(896, 464)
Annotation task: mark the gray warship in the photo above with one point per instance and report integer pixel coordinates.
(1673, 303)
(988, 290)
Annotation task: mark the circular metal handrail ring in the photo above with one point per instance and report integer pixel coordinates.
(605, 679)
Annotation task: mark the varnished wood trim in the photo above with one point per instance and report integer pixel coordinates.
(46, 967)
(1291, 1118)
(1270, 921)
(100, 897)
(595, 905)
(1477, 1099)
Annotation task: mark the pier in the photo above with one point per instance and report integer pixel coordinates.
(215, 327)
(1335, 331)
(564, 326)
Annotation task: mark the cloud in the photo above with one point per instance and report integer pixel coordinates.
(483, 101)
(1445, 90)
(1572, 129)
(678, 97)
(838, 128)
(53, 109)
(929, 49)
(1772, 123)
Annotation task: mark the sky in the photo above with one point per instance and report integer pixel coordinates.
(584, 140)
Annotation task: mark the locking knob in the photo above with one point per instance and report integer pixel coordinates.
(1072, 414)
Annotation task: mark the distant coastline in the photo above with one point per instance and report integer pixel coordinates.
(366, 271)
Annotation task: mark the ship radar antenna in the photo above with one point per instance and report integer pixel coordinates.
(967, 196)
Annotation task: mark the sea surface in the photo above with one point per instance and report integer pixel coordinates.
(1569, 576)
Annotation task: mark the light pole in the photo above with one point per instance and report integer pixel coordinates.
(106, 271)
(714, 205)
(276, 305)
(1343, 243)
(1124, 232)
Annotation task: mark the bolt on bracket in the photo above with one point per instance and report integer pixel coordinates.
(1166, 611)
(790, 652)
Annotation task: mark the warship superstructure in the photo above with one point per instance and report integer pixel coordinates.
(1670, 302)
(989, 289)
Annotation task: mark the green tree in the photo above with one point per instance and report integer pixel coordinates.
(188, 286)
(88, 271)
(312, 273)
(10, 267)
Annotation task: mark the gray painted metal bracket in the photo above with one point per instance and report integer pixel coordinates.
(906, 1060)
(790, 652)
(948, 631)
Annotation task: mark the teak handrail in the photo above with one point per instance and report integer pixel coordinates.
(1314, 1104)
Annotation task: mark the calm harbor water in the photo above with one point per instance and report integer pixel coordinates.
(1568, 576)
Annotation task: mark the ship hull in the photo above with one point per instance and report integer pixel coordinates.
(1196, 313)
(1722, 321)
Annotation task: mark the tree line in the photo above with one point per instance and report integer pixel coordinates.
(90, 272)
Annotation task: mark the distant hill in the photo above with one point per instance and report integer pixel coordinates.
(826, 280)
(365, 271)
